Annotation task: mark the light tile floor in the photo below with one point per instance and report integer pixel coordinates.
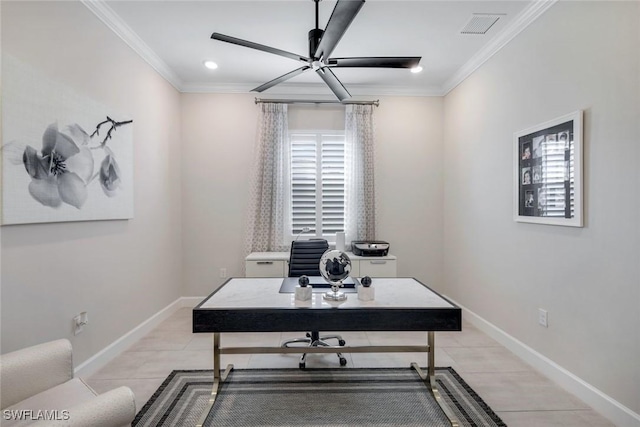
(521, 396)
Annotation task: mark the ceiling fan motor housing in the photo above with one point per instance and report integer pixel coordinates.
(314, 40)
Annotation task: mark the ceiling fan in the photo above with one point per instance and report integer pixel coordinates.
(321, 45)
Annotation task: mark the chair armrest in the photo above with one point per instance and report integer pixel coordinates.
(32, 370)
(114, 408)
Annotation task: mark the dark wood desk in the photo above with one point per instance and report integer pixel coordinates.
(255, 305)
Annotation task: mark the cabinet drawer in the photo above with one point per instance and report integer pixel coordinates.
(265, 268)
(378, 267)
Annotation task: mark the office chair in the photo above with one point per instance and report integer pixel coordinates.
(304, 260)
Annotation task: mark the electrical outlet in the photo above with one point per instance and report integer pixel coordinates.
(223, 273)
(543, 318)
(79, 322)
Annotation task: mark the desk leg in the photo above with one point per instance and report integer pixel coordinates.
(217, 378)
(430, 380)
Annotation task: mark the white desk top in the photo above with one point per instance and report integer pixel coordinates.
(264, 293)
(284, 256)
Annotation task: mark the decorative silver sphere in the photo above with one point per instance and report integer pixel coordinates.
(335, 267)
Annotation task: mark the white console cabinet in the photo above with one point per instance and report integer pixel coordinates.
(276, 264)
(267, 264)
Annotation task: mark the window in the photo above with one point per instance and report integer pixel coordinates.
(317, 182)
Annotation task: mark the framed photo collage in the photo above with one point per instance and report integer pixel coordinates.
(548, 172)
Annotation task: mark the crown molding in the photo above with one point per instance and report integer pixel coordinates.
(112, 20)
(510, 31)
(312, 89)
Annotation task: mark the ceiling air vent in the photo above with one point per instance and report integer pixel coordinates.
(480, 23)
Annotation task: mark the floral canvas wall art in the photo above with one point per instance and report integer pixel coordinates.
(65, 157)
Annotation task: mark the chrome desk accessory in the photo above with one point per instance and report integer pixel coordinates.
(335, 267)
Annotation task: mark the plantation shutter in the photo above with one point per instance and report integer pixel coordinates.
(332, 184)
(303, 182)
(317, 182)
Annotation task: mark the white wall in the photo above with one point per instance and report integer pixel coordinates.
(217, 157)
(218, 134)
(316, 116)
(409, 184)
(121, 272)
(578, 55)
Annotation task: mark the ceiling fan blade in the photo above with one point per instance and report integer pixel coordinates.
(334, 84)
(376, 62)
(257, 46)
(340, 19)
(280, 79)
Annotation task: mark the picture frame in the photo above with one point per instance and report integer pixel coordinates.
(65, 156)
(547, 172)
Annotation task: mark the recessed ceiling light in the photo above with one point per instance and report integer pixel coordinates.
(210, 65)
(416, 69)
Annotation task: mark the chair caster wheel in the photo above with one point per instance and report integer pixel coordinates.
(341, 343)
(302, 365)
(343, 361)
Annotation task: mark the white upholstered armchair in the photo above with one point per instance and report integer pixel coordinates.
(37, 385)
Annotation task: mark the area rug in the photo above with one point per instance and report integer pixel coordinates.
(314, 397)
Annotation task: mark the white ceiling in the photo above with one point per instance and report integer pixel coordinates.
(174, 36)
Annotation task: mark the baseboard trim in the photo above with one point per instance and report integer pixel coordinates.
(104, 356)
(604, 404)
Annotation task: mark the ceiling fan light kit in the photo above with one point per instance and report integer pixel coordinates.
(321, 45)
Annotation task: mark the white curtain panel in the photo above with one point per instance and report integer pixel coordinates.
(269, 205)
(360, 215)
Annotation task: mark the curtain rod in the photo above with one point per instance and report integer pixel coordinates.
(315, 101)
